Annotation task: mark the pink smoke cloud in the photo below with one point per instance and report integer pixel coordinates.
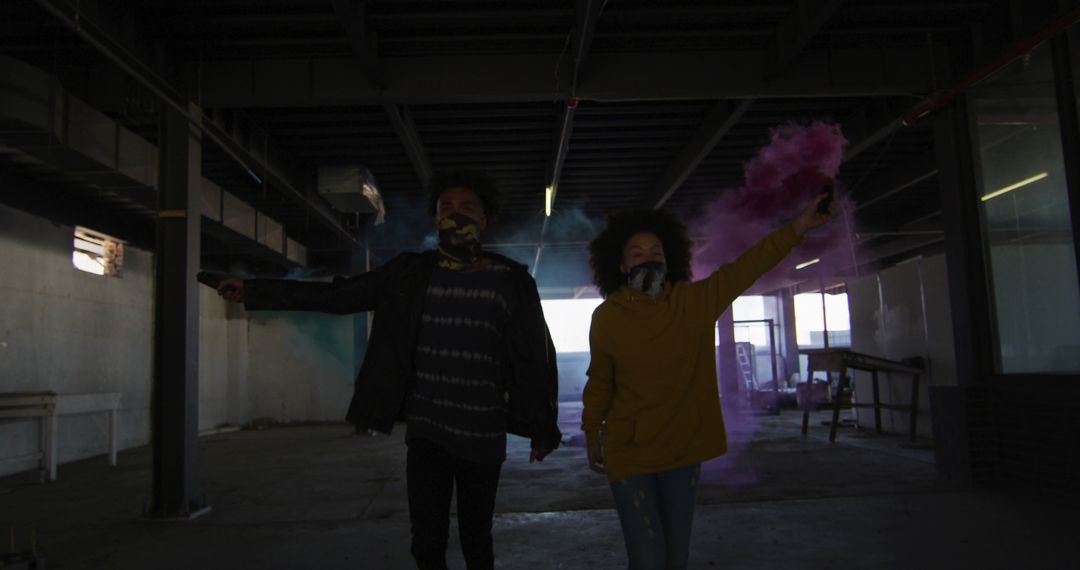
(781, 181)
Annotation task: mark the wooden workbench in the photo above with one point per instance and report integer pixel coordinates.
(840, 360)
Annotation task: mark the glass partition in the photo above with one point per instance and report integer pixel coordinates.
(1026, 224)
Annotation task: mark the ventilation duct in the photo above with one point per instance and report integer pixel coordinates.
(351, 189)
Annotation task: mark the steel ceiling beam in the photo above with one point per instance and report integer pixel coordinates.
(901, 245)
(896, 179)
(882, 118)
(717, 124)
(351, 15)
(675, 76)
(410, 138)
(805, 20)
(871, 136)
(869, 124)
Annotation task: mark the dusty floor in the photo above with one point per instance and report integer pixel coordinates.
(321, 497)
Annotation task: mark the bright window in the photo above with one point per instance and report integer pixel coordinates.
(811, 321)
(750, 308)
(568, 321)
(754, 338)
(97, 253)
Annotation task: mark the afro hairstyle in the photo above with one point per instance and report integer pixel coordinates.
(606, 249)
(479, 182)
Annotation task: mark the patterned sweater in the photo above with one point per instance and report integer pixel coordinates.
(458, 400)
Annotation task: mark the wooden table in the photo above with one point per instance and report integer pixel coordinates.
(840, 360)
(47, 406)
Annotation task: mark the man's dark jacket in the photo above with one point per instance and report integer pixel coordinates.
(396, 292)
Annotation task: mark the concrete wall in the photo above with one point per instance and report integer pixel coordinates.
(65, 330)
(899, 313)
(215, 382)
(68, 331)
(280, 365)
(300, 366)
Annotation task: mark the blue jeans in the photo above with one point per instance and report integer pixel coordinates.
(656, 512)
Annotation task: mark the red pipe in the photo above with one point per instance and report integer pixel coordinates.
(1018, 51)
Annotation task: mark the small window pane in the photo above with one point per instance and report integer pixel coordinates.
(97, 253)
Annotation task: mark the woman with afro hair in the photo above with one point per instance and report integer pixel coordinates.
(652, 409)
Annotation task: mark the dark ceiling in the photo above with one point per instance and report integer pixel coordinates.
(673, 97)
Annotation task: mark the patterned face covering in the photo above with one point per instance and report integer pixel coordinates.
(459, 241)
(648, 277)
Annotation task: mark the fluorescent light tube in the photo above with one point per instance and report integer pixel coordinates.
(1012, 187)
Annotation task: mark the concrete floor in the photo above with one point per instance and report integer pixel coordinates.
(321, 497)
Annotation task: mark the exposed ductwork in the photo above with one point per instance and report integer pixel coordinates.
(43, 123)
(351, 189)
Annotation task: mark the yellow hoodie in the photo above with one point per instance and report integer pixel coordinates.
(652, 386)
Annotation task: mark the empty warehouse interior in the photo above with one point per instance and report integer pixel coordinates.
(901, 391)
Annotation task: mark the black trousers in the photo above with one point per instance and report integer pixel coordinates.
(431, 476)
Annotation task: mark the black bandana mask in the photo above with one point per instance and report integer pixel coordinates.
(648, 277)
(459, 239)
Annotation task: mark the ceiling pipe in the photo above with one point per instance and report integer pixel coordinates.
(565, 130)
(588, 14)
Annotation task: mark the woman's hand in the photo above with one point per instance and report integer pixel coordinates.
(595, 447)
(811, 217)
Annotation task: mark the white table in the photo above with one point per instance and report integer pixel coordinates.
(47, 406)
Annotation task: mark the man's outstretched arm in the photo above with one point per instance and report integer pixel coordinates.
(343, 295)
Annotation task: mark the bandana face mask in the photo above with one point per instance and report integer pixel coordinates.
(648, 277)
(459, 239)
